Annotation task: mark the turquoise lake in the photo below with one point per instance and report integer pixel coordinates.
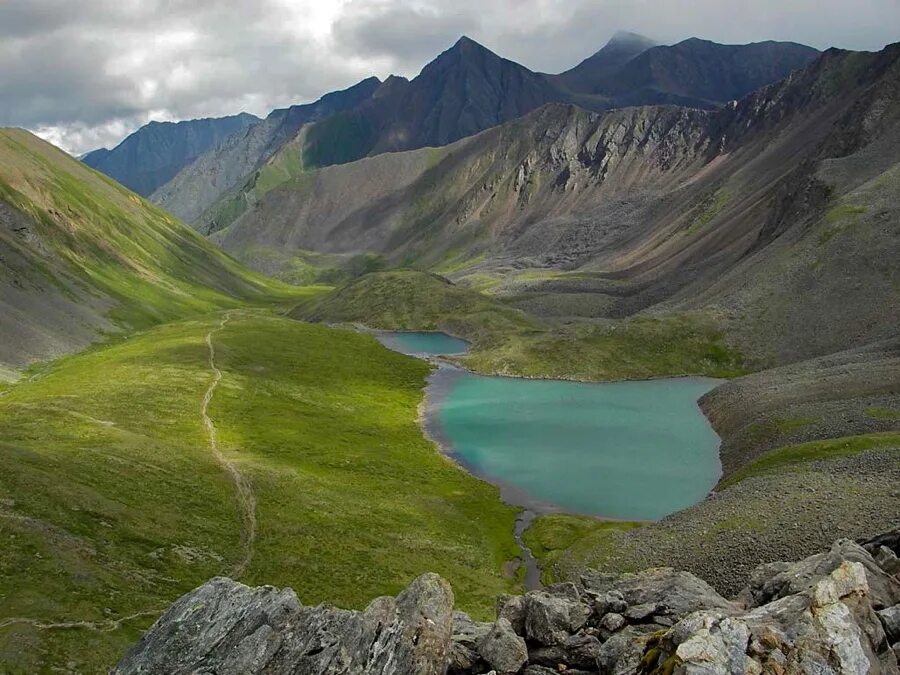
(423, 343)
(625, 450)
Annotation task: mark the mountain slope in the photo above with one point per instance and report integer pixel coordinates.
(195, 188)
(468, 89)
(621, 48)
(152, 155)
(693, 72)
(82, 255)
(699, 209)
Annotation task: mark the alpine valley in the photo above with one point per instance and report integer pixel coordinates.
(195, 392)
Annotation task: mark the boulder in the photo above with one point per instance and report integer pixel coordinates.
(610, 601)
(670, 592)
(612, 622)
(227, 628)
(577, 651)
(890, 619)
(887, 561)
(466, 638)
(830, 627)
(778, 580)
(502, 649)
(550, 619)
(623, 651)
(512, 608)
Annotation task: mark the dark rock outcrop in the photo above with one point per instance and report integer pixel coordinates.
(814, 617)
(226, 628)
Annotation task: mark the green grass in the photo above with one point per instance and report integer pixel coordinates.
(839, 218)
(709, 209)
(553, 535)
(794, 457)
(410, 300)
(507, 341)
(883, 414)
(635, 349)
(117, 245)
(110, 502)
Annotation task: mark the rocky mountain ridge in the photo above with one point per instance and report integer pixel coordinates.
(656, 206)
(834, 612)
(468, 89)
(152, 155)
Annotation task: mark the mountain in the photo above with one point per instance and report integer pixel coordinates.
(222, 167)
(621, 48)
(82, 257)
(696, 72)
(652, 206)
(464, 91)
(153, 154)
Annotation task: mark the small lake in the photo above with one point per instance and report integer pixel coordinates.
(620, 450)
(423, 343)
(623, 450)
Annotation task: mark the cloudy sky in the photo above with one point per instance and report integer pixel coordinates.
(84, 73)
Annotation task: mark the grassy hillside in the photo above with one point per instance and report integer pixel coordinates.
(84, 256)
(508, 341)
(112, 502)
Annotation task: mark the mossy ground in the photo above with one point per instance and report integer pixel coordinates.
(112, 503)
(552, 535)
(507, 341)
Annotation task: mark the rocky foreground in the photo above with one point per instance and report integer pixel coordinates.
(834, 612)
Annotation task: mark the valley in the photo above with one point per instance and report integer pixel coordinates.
(515, 329)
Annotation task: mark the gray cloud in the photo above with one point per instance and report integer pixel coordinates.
(405, 33)
(86, 73)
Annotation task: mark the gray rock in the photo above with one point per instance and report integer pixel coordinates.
(610, 601)
(890, 619)
(467, 636)
(512, 608)
(623, 651)
(503, 650)
(828, 628)
(778, 580)
(612, 622)
(638, 613)
(578, 651)
(227, 628)
(887, 561)
(550, 619)
(672, 592)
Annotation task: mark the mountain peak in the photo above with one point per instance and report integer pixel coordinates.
(624, 38)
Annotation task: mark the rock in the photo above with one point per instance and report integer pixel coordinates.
(672, 592)
(512, 608)
(830, 627)
(578, 651)
(550, 619)
(466, 638)
(638, 613)
(612, 622)
(503, 649)
(890, 619)
(778, 580)
(611, 601)
(887, 561)
(623, 651)
(227, 628)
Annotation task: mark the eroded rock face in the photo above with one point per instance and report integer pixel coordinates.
(778, 580)
(227, 628)
(829, 614)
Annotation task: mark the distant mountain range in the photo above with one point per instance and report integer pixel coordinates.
(775, 210)
(152, 155)
(464, 91)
